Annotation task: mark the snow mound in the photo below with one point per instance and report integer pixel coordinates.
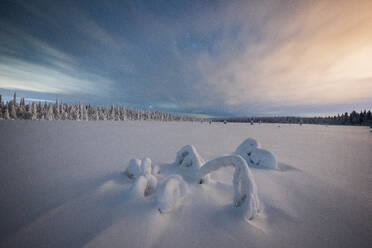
(245, 189)
(146, 168)
(263, 158)
(189, 159)
(255, 156)
(152, 184)
(134, 169)
(139, 187)
(146, 183)
(188, 156)
(171, 192)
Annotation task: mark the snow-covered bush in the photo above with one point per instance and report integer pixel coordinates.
(263, 159)
(255, 156)
(188, 156)
(246, 148)
(245, 189)
(134, 170)
(141, 171)
(171, 193)
(146, 168)
(190, 161)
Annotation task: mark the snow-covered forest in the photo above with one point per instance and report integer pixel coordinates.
(363, 118)
(12, 110)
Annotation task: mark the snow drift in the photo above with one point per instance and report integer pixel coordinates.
(255, 156)
(171, 193)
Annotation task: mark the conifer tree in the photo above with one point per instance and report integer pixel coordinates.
(6, 115)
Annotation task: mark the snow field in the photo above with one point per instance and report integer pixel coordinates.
(62, 186)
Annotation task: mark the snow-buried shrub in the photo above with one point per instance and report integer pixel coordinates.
(245, 189)
(170, 193)
(188, 156)
(255, 156)
(146, 183)
(134, 169)
(190, 161)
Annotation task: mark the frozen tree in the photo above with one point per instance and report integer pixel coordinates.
(96, 116)
(85, 113)
(245, 149)
(255, 156)
(245, 189)
(50, 115)
(6, 114)
(190, 162)
(80, 111)
(12, 111)
(34, 111)
(57, 111)
(15, 98)
(27, 114)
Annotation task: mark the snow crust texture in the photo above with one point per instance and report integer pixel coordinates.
(255, 156)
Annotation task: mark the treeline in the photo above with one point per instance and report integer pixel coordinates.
(11, 110)
(354, 118)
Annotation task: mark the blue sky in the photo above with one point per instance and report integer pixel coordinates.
(223, 58)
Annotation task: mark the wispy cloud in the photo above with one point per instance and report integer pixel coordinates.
(316, 54)
(214, 57)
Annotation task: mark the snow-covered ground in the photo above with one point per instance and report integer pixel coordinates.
(62, 185)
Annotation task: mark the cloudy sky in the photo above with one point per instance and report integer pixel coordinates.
(232, 58)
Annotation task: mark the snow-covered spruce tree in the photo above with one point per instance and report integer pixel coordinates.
(84, 113)
(15, 98)
(41, 110)
(50, 114)
(96, 116)
(34, 111)
(245, 189)
(64, 112)
(56, 111)
(6, 114)
(1, 108)
(21, 109)
(12, 110)
(27, 115)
